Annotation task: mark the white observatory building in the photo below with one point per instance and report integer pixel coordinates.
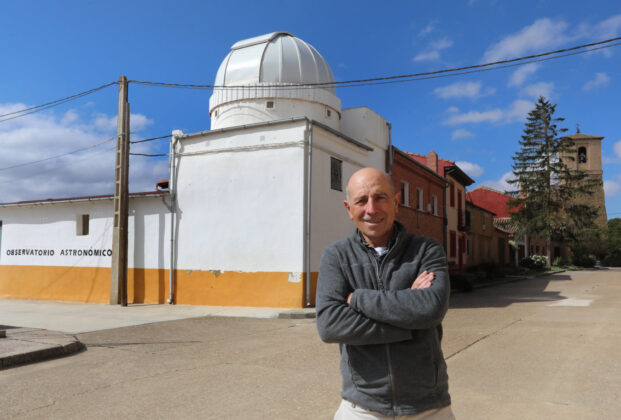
(255, 199)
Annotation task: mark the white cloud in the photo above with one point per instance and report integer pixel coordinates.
(538, 89)
(516, 112)
(543, 34)
(452, 109)
(611, 188)
(608, 28)
(617, 148)
(472, 169)
(427, 29)
(427, 56)
(461, 133)
(88, 172)
(501, 184)
(432, 52)
(600, 79)
(463, 90)
(519, 76)
(108, 124)
(493, 115)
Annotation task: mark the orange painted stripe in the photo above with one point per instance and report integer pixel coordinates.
(192, 287)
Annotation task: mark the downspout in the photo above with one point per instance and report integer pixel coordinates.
(391, 152)
(173, 192)
(309, 130)
(445, 220)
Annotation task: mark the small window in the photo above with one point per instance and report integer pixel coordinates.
(435, 205)
(421, 199)
(328, 113)
(336, 174)
(405, 193)
(582, 155)
(269, 104)
(82, 224)
(215, 113)
(452, 194)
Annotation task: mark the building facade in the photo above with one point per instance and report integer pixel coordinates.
(456, 232)
(251, 205)
(422, 206)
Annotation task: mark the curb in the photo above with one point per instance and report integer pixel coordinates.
(26, 345)
(308, 313)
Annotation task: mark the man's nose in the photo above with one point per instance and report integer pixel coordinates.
(371, 206)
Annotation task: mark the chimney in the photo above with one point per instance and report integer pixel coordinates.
(432, 161)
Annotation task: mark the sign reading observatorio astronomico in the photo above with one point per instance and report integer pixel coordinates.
(69, 252)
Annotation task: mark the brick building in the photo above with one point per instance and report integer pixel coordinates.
(455, 239)
(422, 207)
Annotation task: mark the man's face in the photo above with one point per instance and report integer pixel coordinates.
(372, 205)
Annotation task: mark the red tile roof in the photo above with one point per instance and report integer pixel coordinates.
(491, 200)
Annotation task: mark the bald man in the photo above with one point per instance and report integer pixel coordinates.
(382, 294)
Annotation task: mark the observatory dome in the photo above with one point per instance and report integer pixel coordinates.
(259, 80)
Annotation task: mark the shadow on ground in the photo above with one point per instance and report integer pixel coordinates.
(503, 295)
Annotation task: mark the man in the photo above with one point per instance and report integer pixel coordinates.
(382, 294)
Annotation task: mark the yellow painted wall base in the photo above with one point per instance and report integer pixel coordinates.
(192, 287)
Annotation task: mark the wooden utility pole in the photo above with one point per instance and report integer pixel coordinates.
(118, 279)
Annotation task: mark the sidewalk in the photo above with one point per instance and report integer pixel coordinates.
(39, 330)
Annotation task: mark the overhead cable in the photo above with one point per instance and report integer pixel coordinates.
(58, 156)
(149, 155)
(414, 76)
(151, 139)
(48, 105)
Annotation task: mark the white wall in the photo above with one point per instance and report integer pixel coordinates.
(330, 221)
(240, 197)
(45, 235)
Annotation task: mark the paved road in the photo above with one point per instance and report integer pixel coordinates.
(546, 348)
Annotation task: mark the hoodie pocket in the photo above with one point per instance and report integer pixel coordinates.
(369, 370)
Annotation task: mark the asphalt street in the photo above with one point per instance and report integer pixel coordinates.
(542, 348)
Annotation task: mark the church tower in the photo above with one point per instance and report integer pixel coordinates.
(588, 158)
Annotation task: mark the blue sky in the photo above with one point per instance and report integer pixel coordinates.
(55, 49)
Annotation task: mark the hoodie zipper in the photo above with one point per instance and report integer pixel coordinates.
(386, 346)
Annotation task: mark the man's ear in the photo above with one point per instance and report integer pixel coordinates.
(346, 204)
(397, 201)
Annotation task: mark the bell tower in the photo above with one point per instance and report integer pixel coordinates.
(588, 158)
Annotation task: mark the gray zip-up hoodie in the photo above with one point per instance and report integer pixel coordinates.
(389, 335)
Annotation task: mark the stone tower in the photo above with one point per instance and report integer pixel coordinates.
(588, 158)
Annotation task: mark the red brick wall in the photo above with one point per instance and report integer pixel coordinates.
(423, 223)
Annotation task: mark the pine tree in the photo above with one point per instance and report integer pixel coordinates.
(547, 191)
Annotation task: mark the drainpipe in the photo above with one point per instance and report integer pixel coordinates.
(173, 192)
(390, 150)
(309, 130)
(445, 221)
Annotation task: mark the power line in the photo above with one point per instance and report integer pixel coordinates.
(413, 76)
(149, 155)
(48, 105)
(151, 139)
(58, 156)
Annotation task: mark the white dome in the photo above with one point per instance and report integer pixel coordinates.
(277, 58)
(261, 68)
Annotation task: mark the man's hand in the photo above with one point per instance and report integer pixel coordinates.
(423, 281)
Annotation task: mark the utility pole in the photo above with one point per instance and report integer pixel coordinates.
(118, 278)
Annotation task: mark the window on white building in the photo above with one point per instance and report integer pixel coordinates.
(82, 224)
(336, 174)
(405, 193)
(421, 199)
